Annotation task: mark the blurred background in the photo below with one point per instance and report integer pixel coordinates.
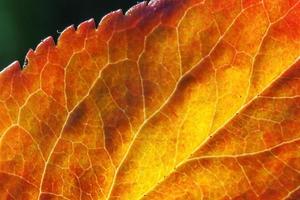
(23, 24)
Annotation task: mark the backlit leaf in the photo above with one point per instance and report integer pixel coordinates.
(176, 99)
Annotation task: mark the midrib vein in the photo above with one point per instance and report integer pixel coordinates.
(170, 96)
(187, 159)
(246, 104)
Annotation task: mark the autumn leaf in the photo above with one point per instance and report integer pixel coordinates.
(181, 99)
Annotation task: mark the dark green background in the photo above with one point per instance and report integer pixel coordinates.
(24, 23)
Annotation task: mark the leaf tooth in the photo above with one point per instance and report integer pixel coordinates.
(86, 26)
(42, 50)
(137, 10)
(29, 56)
(70, 30)
(49, 42)
(108, 23)
(11, 69)
(156, 4)
(111, 17)
(43, 47)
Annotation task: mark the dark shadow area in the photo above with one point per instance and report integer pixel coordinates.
(23, 24)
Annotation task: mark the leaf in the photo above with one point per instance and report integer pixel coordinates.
(182, 99)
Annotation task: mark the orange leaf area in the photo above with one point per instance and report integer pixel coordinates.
(176, 99)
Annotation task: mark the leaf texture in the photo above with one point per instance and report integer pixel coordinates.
(181, 99)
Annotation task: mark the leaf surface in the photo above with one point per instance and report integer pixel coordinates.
(181, 99)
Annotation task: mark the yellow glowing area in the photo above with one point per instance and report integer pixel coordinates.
(176, 99)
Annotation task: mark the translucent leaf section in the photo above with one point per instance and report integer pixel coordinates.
(176, 99)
